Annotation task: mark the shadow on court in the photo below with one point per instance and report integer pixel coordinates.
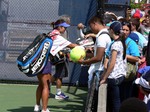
(71, 106)
(21, 109)
(21, 98)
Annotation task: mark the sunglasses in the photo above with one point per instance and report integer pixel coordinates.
(126, 23)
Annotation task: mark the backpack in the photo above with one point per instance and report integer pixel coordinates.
(34, 58)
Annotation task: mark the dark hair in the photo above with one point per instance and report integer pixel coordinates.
(128, 24)
(144, 50)
(122, 39)
(96, 19)
(59, 21)
(147, 53)
(133, 105)
(135, 22)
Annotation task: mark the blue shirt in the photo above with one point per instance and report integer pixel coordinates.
(142, 41)
(132, 48)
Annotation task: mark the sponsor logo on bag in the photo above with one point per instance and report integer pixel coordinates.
(27, 55)
(30, 52)
(40, 60)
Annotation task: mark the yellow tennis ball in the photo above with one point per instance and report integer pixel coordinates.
(76, 53)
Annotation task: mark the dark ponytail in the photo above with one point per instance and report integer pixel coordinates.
(122, 39)
(54, 24)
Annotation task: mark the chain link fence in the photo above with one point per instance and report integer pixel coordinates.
(22, 20)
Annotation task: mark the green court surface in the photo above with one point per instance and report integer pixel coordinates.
(21, 98)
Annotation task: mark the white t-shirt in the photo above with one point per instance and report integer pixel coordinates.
(104, 41)
(59, 43)
(145, 31)
(120, 67)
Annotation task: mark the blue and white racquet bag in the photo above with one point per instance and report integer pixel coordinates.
(33, 59)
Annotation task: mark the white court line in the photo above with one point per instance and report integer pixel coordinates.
(17, 84)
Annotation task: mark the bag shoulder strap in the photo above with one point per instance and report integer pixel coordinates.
(128, 44)
(104, 32)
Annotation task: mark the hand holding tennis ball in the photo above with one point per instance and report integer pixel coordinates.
(77, 53)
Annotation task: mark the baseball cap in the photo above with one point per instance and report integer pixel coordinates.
(119, 17)
(64, 24)
(134, 37)
(116, 26)
(136, 13)
(144, 80)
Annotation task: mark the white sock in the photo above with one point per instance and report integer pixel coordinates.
(58, 91)
(45, 110)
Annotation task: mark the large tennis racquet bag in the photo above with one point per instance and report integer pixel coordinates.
(33, 59)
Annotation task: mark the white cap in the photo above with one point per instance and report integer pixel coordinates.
(141, 81)
(119, 17)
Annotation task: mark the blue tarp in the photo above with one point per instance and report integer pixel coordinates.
(79, 10)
